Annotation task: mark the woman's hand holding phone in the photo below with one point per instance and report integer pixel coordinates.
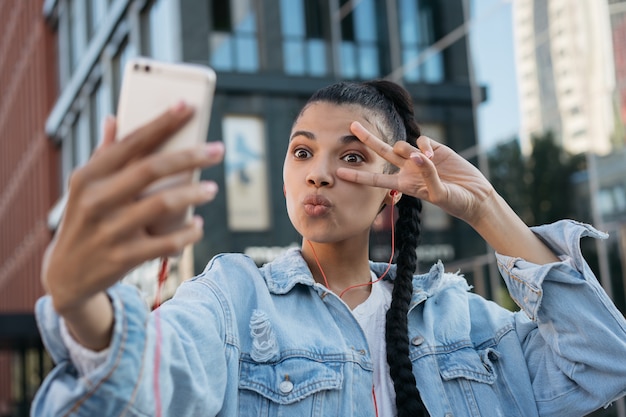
(104, 232)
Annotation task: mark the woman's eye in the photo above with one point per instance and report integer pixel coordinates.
(353, 158)
(301, 153)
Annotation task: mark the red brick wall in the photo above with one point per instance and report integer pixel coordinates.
(28, 161)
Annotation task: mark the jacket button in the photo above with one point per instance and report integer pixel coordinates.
(417, 340)
(286, 387)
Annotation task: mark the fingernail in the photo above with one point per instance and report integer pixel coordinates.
(209, 188)
(198, 221)
(429, 154)
(417, 158)
(179, 106)
(214, 148)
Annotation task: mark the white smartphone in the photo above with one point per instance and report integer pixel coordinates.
(149, 88)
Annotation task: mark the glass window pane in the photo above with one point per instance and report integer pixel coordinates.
(433, 68)
(292, 18)
(317, 62)
(365, 26)
(78, 31)
(161, 37)
(247, 58)
(411, 72)
(236, 49)
(348, 60)
(100, 108)
(368, 62)
(408, 18)
(67, 159)
(82, 138)
(221, 45)
(293, 57)
(243, 15)
(247, 23)
(97, 13)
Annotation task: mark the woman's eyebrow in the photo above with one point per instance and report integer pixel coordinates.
(347, 139)
(305, 133)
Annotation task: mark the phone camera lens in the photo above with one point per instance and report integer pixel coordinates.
(136, 67)
(147, 68)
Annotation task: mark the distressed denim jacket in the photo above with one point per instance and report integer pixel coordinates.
(239, 340)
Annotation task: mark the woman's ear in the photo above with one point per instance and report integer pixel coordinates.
(392, 197)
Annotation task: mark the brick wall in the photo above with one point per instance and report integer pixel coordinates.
(28, 159)
(28, 172)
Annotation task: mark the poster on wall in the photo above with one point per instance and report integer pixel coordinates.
(245, 163)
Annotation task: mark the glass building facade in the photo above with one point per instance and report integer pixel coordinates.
(270, 56)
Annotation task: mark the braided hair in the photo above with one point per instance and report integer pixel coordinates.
(392, 108)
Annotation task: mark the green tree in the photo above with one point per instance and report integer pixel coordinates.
(507, 173)
(549, 168)
(537, 186)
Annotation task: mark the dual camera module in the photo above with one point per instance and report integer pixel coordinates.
(145, 68)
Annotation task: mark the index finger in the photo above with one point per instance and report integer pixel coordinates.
(373, 179)
(371, 141)
(142, 141)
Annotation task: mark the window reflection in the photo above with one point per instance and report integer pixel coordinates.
(304, 44)
(417, 32)
(78, 31)
(359, 41)
(233, 40)
(160, 39)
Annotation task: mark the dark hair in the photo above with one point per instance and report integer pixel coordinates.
(392, 113)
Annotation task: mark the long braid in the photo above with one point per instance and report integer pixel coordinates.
(408, 399)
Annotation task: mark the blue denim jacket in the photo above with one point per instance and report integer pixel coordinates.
(269, 341)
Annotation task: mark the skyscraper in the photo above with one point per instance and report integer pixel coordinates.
(566, 72)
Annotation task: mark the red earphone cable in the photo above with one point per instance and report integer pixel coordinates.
(157, 324)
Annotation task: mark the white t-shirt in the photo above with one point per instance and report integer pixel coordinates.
(371, 315)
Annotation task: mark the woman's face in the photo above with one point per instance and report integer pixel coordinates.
(322, 207)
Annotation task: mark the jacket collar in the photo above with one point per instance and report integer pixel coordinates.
(290, 268)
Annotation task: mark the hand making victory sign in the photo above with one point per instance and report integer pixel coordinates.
(432, 172)
(435, 173)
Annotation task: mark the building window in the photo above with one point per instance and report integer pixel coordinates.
(417, 33)
(126, 51)
(79, 32)
(159, 26)
(96, 12)
(359, 41)
(305, 46)
(100, 107)
(233, 39)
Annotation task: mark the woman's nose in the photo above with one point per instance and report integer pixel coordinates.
(321, 174)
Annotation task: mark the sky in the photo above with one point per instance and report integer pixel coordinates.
(493, 55)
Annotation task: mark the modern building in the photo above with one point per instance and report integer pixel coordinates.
(566, 74)
(270, 56)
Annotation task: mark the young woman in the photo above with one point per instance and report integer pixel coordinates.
(315, 332)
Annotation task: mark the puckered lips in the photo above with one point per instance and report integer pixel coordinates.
(316, 205)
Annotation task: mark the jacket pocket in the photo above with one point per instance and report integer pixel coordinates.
(468, 364)
(470, 383)
(293, 386)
